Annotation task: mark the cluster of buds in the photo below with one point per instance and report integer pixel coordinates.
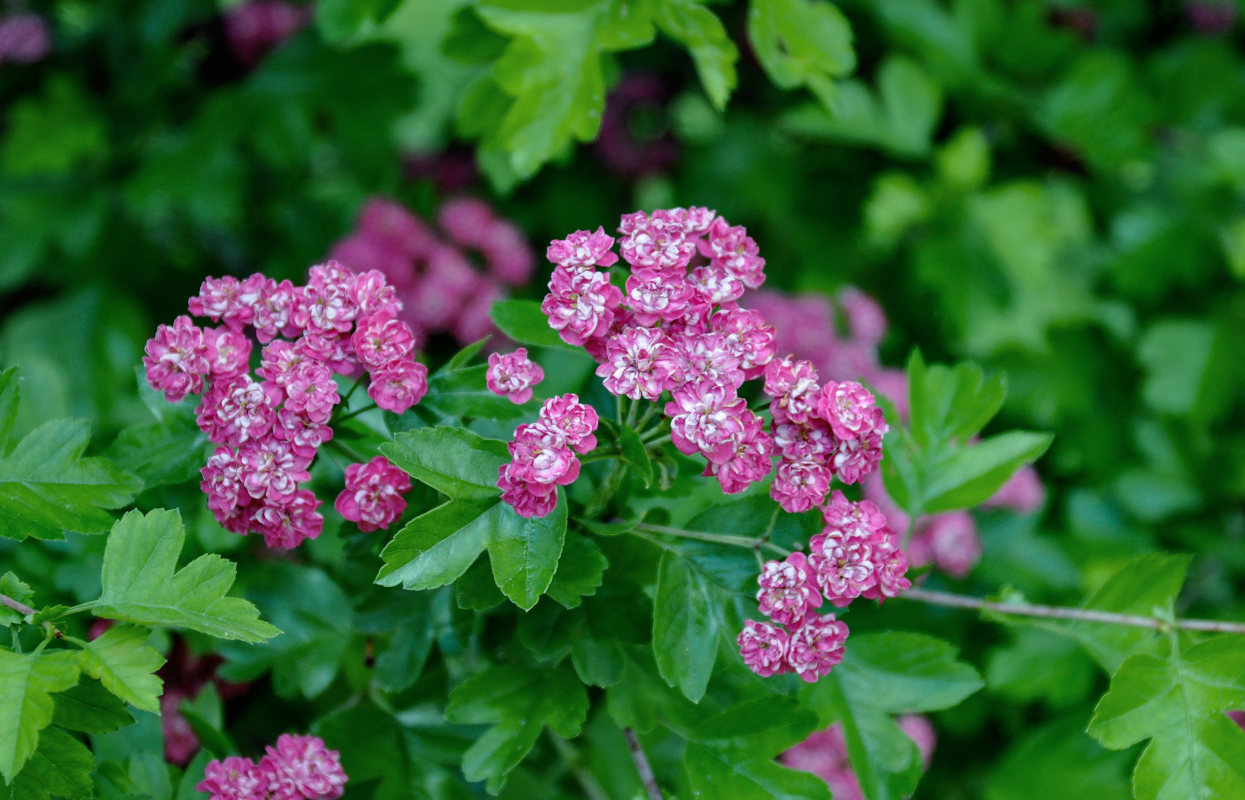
(296, 768)
(435, 275)
(257, 26)
(24, 38)
(856, 555)
(543, 455)
(268, 431)
(824, 754)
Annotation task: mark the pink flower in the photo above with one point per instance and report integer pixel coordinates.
(636, 363)
(303, 434)
(576, 421)
(522, 496)
(233, 352)
(513, 375)
(448, 283)
(824, 753)
(272, 307)
(856, 459)
(734, 250)
(656, 241)
(707, 418)
(656, 296)
(751, 461)
(392, 225)
(311, 391)
(332, 347)
(270, 470)
(539, 455)
(583, 249)
(177, 359)
(302, 767)
(808, 440)
(325, 305)
(399, 385)
(948, 540)
(24, 38)
(235, 778)
(255, 27)
(223, 299)
(380, 340)
(866, 321)
(581, 304)
(788, 590)
(279, 360)
(466, 220)
(222, 480)
(793, 385)
(373, 494)
(506, 253)
(816, 647)
(764, 648)
(800, 485)
(748, 338)
(845, 563)
(237, 410)
(373, 294)
(288, 524)
(851, 411)
(714, 286)
(1023, 492)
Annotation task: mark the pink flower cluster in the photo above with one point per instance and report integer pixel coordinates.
(856, 555)
(543, 455)
(268, 431)
(24, 38)
(824, 754)
(296, 768)
(372, 498)
(513, 375)
(435, 275)
(257, 26)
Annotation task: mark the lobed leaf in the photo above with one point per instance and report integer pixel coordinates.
(125, 665)
(27, 683)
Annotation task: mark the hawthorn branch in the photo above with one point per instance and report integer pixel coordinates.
(937, 598)
(17, 606)
(718, 538)
(642, 766)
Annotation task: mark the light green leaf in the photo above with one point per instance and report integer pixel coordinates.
(519, 702)
(685, 626)
(523, 321)
(712, 774)
(437, 547)
(160, 453)
(90, 708)
(126, 666)
(47, 486)
(15, 588)
(454, 461)
(802, 43)
(524, 551)
(1177, 701)
(701, 32)
(973, 473)
(61, 767)
(27, 682)
(1175, 355)
(141, 583)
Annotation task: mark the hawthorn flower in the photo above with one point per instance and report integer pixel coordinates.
(656, 241)
(707, 418)
(235, 778)
(576, 421)
(291, 521)
(581, 304)
(379, 340)
(731, 248)
(302, 767)
(398, 386)
(788, 591)
(850, 410)
(225, 300)
(541, 456)
(656, 296)
(800, 485)
(636, 363)
(373, 495)
(583, 249)
(528, 500)
(512, 375)
(764, 648)
(816, 646)
(177, 359)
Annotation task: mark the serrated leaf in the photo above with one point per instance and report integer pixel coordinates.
(27, 682)
(636, 455)
(1177, 701)
(47, 486)
(141, 583)
(454, 461)
(15, 588)
(756, 727)
(685, 626)
(9, 399)
(519, 702)
(523, 321)
(90, 708)
(463, 392)
(125, 665)
(900, 672)
(61, 767)
(974, 473)
(711, 775)
(524, 551)
(580, 571)
(699, 30)
(801, 43)
(160, 453)
(437, 547)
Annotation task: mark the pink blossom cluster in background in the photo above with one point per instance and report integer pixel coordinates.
(626, 148)
(512, 375)
(856, 555)
(825, 755)
(24, 38)
(255, 27)
(296, 768)
(268, 431)
(543, 455)
(434, 275)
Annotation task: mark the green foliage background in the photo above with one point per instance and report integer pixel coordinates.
(1055, 191)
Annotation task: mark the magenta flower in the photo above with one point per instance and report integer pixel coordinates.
(583, 249)
(581, 303)
(637, 363)
(576, 421)
(235, 778)
(177, 359)
(399, 385)
(788, 590)
(764, 648)
(816, 646)
(513, 375)
(373, 495)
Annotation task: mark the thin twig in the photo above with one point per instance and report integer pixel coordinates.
(1062, 612)
(642, 766)
(355, 413)
(17, 606)
(719, 538)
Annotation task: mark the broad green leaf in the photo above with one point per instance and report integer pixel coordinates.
(685, 626)
(636, 455)
(519, 702)
(899, 672)
(27, 682)
(597, 661)
(802, 43)
(53, 132)
(1177, 701)
(437, 547)
(951, 402)
(47, 486)
(90, 708)
(701, 32)
(15, 588)
(141, 583)
(974, 473)
(711, 774)
(463, 393)
(160, 452)
(760, 726)
(454, 461)
(1060, 760)
(1175, 355)
(61, 767)
(125, 665)
(580, 571)
(379, 751)
(9, 400)
(523, 321)
(524, 552)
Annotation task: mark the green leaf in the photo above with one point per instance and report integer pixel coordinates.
(636, 455)
(206, 716)
(523, 321)
(801, 43)
(760, 726)
(141, 583)
(61, 767)
(9, 399)
(160, 453)
(1060, 760)
(1177, 701)
(701, 32)
(519, 702)
(125, 665)
(90, 708)
(972, 474)
(902, 672)
(27, 682)
(711, 774)
(580, 571)
(47, 486)
(685, 626)
(1175, 355)
(17, 589)
(437, 547)
(454, 461)
(339, 19)
(52, 133)
(524, 551)
(951, 402)
(463, 392)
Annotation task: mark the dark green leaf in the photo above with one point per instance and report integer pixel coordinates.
(61, 767)
(90, 708)
(454, 461)
(636, 455)
(580, 571)
(760, 726)
(685, 626)
(711, 774)
(437, 547)
(900, 672)
(15, 588)
(523, 321)
(524, 551)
